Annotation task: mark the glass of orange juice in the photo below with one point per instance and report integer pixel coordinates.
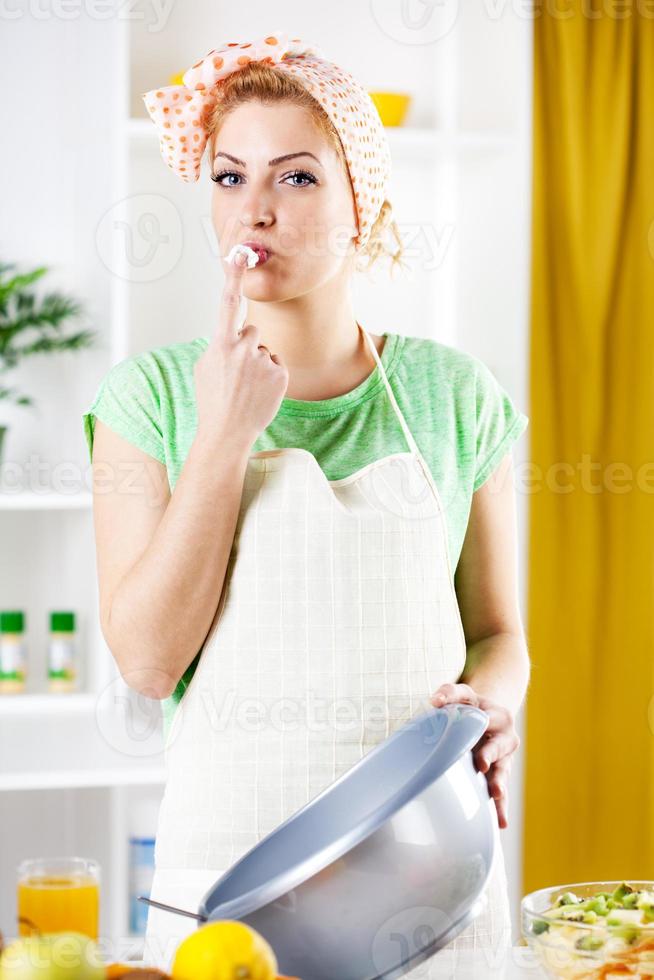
(59, 895)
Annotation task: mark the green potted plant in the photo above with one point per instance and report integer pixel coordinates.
(31, 324)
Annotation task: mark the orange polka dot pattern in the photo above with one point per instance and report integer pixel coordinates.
(180, 113)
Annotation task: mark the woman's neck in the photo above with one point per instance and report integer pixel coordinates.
(318, 339)
(315, 384)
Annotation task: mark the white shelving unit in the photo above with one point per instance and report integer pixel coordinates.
(69, 775)
(29, 500)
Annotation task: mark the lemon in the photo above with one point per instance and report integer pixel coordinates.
(224, 950)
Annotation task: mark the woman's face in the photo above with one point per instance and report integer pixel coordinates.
(302, 208)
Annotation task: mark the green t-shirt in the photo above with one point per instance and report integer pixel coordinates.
(463, 422)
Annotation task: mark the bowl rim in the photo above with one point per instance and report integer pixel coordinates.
(647, 927)
(270, 891)
(386, 93)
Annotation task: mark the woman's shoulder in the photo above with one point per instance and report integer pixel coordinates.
(167, 359)
(458, 382)
(163, 374)
(148, 397)
(456, 371)
(462, 391)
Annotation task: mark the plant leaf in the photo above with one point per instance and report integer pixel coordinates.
(21, 310)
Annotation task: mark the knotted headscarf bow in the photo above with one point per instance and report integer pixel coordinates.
(181, 114)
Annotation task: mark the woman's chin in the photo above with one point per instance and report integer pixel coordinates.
(266, 287)
(266, 293)
(275, 283)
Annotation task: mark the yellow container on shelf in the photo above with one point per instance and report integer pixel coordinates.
(391, 106)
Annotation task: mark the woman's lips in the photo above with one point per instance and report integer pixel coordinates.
(262, 251)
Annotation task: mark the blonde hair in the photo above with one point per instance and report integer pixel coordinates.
(268, 85)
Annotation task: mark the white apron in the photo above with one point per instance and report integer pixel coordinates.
(338, 618)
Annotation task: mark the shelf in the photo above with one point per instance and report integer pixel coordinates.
(405, 138)
(401, 138)
(81, 779)
(30, 500)
(41, 704)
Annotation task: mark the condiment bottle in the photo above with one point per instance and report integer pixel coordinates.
(62, 659)
(13, 652)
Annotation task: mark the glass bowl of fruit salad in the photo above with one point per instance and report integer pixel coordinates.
(592, 930)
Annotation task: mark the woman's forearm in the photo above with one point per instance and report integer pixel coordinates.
(169, 597)
(498, 668)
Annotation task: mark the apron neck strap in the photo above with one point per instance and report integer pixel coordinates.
(405, 428)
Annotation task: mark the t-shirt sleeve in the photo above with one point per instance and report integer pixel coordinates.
(127, 401)
(499, 423)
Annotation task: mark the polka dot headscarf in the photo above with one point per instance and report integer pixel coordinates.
(180, 111)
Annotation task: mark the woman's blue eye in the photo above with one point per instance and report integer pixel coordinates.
(231, 173)
(218, 177)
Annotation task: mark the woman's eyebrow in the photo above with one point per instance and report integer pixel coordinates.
(271, 163)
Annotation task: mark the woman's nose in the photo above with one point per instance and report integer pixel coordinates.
(256, 218)
(255, 222)
(256, 209)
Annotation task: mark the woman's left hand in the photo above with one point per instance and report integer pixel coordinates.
(494, 752)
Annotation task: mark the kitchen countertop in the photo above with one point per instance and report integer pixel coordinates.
(483, 964)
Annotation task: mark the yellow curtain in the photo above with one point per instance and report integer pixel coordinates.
(589, 736)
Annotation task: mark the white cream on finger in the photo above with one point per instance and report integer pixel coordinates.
(249, 253)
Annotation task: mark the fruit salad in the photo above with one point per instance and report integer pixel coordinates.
(599, 935)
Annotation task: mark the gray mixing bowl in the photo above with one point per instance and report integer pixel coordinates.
(380, 870)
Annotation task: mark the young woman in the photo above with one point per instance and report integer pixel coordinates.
(284, 580)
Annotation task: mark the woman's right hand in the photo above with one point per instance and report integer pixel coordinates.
(239, 384)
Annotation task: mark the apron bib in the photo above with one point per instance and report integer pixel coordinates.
(337, 620)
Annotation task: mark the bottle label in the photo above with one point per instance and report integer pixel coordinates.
(61, 658)
(13, 659)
